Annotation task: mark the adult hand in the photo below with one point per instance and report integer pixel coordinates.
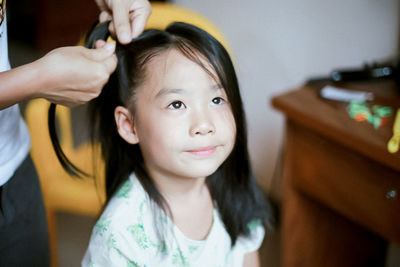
(67, 76)
(128, 17)
(75, 75)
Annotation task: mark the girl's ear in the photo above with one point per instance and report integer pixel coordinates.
(125, 125)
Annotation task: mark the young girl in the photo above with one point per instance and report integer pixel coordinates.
(172, 131)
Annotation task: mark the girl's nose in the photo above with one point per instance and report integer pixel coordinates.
(202, 125)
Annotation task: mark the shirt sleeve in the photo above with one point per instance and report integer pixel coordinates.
(255, 239)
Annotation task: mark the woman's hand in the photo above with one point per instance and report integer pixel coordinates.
(75, 75)
(128, 17)
(68, 76)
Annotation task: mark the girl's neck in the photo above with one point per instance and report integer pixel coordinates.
(180, 188)
(190, 204)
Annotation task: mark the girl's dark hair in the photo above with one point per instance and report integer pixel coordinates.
(232, 187)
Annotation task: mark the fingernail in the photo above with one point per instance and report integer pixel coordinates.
(125, 37)
(109, 46)
(100, 43)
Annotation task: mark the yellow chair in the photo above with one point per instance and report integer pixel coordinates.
(61, 191)
(164, 14)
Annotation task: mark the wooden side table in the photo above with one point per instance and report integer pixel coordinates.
(341, 202)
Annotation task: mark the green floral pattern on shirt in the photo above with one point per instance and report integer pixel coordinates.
(127, 233)
(102, 226)
(193, 249)
(138, 233)
(111, 244)
(179, 260)
(125, 190)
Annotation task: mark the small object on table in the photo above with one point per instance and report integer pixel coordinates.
(341, 94)
(393, 144)
(360, 111)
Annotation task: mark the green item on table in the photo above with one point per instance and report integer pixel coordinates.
(360, 111)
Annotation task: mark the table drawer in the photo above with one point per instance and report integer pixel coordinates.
(357, 187)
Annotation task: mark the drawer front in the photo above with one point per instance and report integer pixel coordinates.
(353, 185)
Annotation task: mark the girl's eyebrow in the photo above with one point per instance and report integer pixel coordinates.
(170, 91)
(217, 86)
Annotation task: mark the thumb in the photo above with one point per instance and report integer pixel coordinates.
(121, 23)
(102, 52)
(138, 25)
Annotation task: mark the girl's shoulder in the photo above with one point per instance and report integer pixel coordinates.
(254, 240)
(129, 204)
(245, 244)
(130, 191)
(125, 234)
(233, 256)
(128, 213)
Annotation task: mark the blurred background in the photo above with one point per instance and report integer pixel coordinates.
(277, 47)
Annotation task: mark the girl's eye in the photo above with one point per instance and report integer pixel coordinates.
(218, 100)
(176, 105)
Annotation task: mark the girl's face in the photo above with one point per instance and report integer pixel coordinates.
(182, 121)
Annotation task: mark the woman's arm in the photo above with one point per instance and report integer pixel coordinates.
(74, 75)
(67, 76)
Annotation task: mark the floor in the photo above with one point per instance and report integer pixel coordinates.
(73, 233)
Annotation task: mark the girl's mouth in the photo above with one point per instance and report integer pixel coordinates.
(203, 151)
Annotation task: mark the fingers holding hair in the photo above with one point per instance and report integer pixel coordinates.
(104, 16)
(128, 17)
(104, 53)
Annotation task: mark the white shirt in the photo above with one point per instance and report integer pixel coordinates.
(14, 135)
(125, 236)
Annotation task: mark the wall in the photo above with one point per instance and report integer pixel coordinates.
(280, 44)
